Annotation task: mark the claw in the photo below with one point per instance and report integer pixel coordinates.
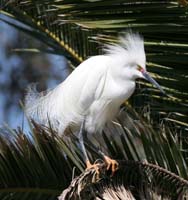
(94, 166)
(96, 170)
(113, 164)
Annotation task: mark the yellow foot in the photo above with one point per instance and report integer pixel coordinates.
(113, 164)
(94, 166)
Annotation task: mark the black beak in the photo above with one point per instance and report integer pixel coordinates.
(151, 80)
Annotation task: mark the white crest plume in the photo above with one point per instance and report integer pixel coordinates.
(130, 46)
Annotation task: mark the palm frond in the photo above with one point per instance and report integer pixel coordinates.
(133, 180)
(41, 164)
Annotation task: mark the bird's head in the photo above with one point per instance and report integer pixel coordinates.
(129, 59)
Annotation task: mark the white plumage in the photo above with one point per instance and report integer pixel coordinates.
(94, 91)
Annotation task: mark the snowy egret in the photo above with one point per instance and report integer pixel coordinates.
(92, 94)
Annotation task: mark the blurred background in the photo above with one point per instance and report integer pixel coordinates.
(20, 69)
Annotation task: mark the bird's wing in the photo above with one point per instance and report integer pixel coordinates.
(93, 81)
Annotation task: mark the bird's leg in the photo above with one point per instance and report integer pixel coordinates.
(110, 163)
(81, 140)
(82, 133)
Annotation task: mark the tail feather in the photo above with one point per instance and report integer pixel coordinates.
(38, 106)
(53, 107)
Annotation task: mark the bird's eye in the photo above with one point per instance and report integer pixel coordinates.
(139, 68)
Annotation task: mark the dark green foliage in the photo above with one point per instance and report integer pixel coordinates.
(41, 165)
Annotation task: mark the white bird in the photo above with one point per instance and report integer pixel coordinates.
(92, 94)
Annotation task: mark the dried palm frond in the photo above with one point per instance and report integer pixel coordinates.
(133, 180)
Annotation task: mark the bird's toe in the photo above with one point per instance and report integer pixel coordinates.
(94, 166)
(111, 164)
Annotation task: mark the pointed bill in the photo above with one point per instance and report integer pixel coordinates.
(151, 80)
